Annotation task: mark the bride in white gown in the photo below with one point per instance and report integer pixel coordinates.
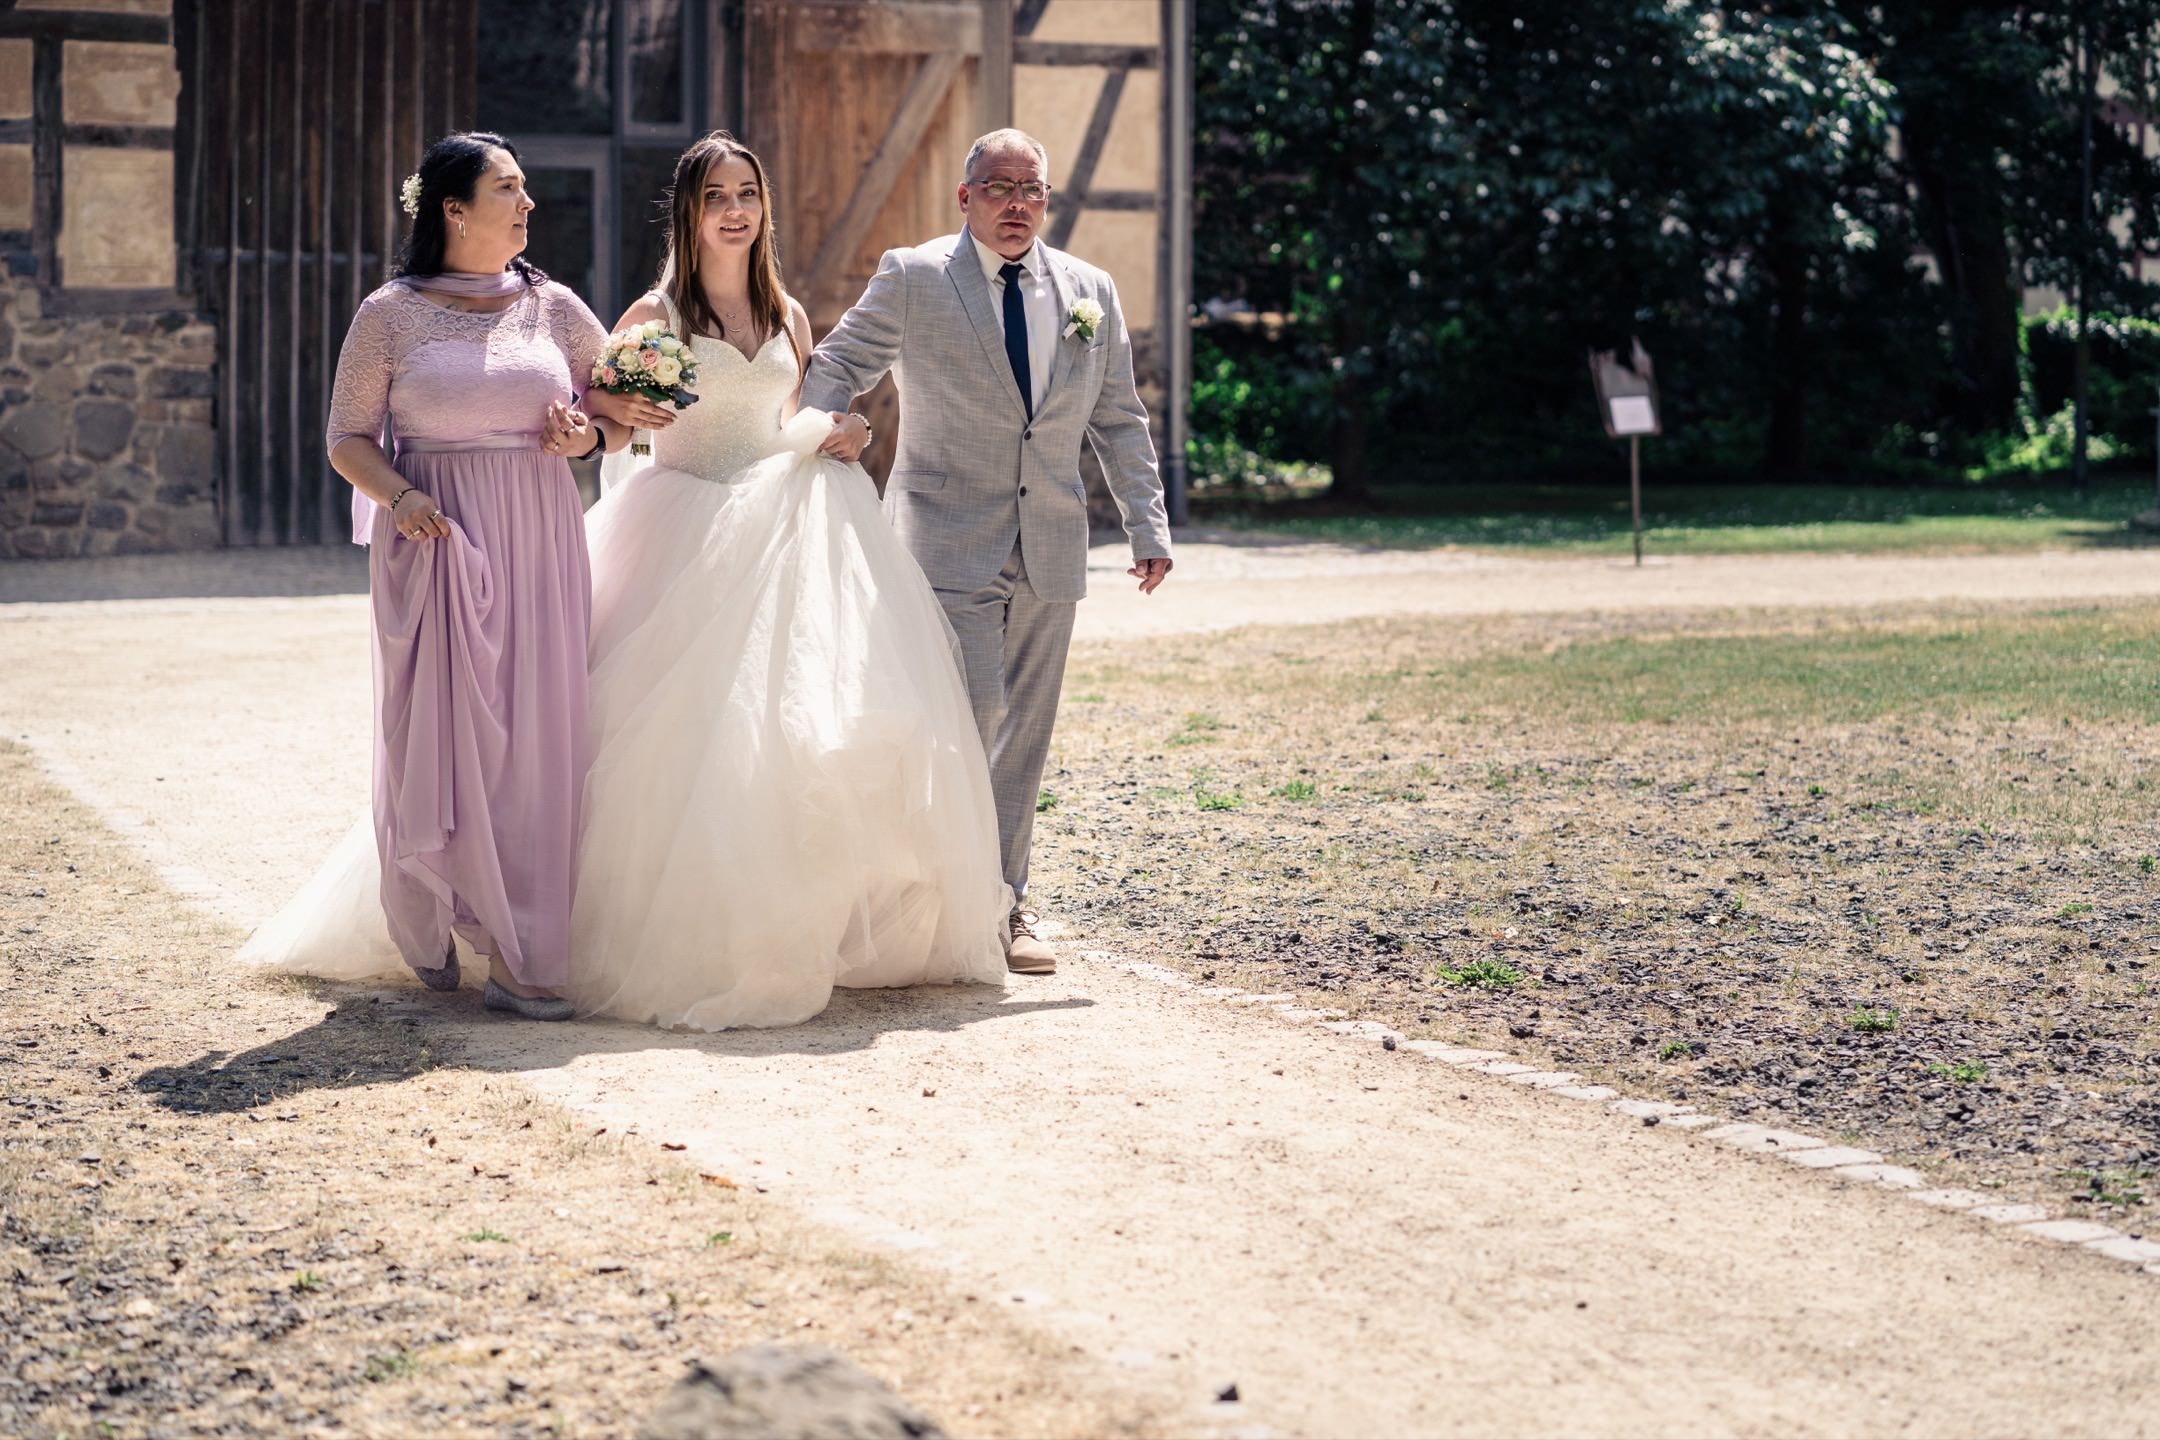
(788, 791)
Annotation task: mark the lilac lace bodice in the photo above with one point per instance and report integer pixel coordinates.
(455, 379)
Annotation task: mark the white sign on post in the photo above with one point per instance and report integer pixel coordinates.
(1628, 395)
(1633, 415)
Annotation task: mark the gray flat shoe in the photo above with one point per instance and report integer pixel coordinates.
(530, 1007)
(444, 976)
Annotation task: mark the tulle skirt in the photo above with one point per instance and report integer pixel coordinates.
(787, 790)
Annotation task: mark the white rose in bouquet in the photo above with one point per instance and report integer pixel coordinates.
(648, 360)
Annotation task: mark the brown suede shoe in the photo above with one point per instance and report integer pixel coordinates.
(1026, 953)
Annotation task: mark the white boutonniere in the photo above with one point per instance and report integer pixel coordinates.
(1082, 319)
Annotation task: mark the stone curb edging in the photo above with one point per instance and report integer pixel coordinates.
(1805, 1151)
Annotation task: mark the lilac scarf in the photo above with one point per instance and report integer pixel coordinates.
(468, 286)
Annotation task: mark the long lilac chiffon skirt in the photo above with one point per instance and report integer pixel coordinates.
(482, 735)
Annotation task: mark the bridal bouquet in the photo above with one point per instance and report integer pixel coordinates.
(647, 360)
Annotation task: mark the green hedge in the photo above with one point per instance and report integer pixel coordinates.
(2120, 384)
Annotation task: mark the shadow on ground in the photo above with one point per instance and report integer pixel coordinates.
(347, 1047)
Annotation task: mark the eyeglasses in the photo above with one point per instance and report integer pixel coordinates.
(1032, 191)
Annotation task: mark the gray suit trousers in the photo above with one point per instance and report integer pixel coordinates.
(1012, 645)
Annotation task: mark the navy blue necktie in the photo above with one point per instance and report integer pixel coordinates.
(1016, 346)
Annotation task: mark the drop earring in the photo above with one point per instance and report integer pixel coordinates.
(461, 229)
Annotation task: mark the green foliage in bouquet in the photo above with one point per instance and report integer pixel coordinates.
(648, 360)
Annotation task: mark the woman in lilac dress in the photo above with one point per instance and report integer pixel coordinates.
(480, 589)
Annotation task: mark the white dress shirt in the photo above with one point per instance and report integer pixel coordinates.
(1040, 302)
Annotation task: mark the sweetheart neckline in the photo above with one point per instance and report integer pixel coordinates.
(751, 359)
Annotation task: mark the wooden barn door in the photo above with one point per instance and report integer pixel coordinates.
(863, 111)
(305, 116)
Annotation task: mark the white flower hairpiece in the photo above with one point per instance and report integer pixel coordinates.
(409, 195)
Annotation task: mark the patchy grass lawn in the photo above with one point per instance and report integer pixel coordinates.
(1885, 876)
(244, 1207)
(1701, 519)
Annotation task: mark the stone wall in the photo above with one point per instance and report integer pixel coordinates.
(108, 372)
(106, 438)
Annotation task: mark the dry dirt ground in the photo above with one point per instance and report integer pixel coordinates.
(1150, 1194)
(1937, 933)
(235, 1207)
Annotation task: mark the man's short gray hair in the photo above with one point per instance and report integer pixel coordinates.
(1004, 142)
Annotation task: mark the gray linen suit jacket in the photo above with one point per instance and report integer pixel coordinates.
(972, 474)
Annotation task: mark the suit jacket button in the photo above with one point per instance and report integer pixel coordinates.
(1023, 489)
(1027, 435)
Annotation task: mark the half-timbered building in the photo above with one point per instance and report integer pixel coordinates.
(195, 195)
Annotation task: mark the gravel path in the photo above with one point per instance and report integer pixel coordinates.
(1360, 1241)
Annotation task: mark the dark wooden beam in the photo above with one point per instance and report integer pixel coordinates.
(994, 73)
(45, 178)
(83, 25)
(287, 113)
(1081, 176)
(369, 263)
(187, 142)
(225, 57)
(1173, 306)
(114, 302)
(1125, 200)
(119, 137)
(1064, 52)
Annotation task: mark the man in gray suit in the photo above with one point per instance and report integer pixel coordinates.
(1007, 355)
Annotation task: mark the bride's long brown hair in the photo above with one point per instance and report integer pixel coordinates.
(686, 210)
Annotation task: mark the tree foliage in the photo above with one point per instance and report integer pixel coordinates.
(1818, 216)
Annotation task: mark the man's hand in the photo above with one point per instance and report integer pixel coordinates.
(1150, 573)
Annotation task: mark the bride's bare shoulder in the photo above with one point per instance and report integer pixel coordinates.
(648, 307)
(798, 329)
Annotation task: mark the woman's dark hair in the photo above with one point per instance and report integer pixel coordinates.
(451, 170)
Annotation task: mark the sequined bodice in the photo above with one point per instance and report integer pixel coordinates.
(737, 415)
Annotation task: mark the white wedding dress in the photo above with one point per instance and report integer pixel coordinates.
(787, 792)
